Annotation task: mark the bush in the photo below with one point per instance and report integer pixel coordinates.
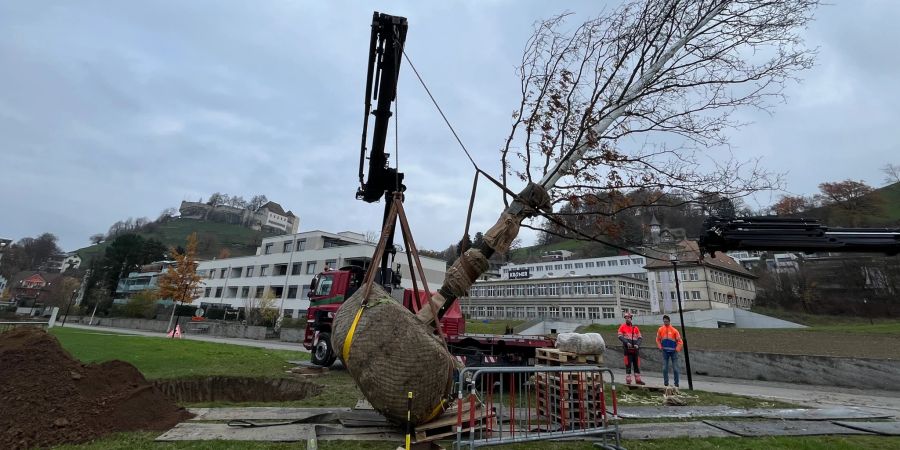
(294, 323)
(141, 306)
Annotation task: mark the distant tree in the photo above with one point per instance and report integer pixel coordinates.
(891, 173)
(28, 254)
(167, 214)
(256, 202)
(215, 199)
(141, 222)
(479, 239)
(61, 291)
(237, 202)
(463, 245)
(854, 198)
(126, 254)
(115, 230)
(224, 253)
(181, 282)
(96, 238)
(791, 205)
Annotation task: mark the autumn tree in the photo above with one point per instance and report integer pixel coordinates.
(791, 205)
(853, 199)
(96, 238)
(181, 282)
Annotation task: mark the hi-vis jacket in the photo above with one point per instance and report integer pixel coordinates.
(668, 339)
(630, 334)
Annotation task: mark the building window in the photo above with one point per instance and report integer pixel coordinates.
(553, 311)
(206, 292)
(601, 263)
(580, 313)
(260, 290)
(268, 248)
(695, 295)
(245, 291)
(579, 265)
(589, 264)
(296, 268)
(292, 291)
(609, 313)
(310, 267)
(212, 273)
(594, 312)
(289, 314)
(263, 271)
(613, 263)
(490, 311)
(332, 263)
(301, 245)
(218, 292)
(624, 262)
(249, 271)
(568, 265)
(558, 266)
(567, 312)
(286, 247)
(693, 275)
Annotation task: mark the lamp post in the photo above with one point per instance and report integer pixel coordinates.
(69, 305)
(687, 356)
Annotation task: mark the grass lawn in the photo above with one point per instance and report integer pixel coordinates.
(175, 358)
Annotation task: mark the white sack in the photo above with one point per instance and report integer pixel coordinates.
(581, 343)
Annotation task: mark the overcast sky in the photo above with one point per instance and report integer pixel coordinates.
(113, 109)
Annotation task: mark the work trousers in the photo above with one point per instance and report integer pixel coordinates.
(632, 359)
(673, 356)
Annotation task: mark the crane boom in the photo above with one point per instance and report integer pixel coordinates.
(804, 235)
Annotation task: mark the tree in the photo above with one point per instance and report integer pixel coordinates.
(181, 282)
(167, 215)
(28, 254)
(96, 238)
(257, 202)
(237, 202)
(629, 100)
(126, 254)
(790, 205)
(891, 173)
(224, 253)
(854, 199)
(216, 199)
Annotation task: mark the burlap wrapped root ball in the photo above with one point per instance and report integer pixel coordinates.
(393, 353)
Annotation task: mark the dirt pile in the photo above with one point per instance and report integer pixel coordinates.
(48, 397)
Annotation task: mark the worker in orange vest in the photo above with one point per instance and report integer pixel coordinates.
(630, 336)
(668, 339)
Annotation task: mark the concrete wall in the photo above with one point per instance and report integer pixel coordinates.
(292, 334)
(207, 328)
(711, 318)
(817, 370)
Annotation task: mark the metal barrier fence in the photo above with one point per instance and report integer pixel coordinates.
(6, 326)
(504, 405)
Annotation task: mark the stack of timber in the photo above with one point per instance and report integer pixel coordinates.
(572, 400)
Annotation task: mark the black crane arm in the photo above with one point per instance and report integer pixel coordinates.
(803, 235)
(385, 53)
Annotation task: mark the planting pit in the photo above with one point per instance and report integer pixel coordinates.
(237, 389)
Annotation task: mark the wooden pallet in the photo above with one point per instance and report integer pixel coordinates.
(556, 357)
(445, 425)
(557, 378)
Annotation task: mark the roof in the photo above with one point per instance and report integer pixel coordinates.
(689, 254)
(47, 277)
(276, 208)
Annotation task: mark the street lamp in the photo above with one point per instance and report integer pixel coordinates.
(687, 356)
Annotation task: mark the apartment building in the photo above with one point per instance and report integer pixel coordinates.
(284, 266)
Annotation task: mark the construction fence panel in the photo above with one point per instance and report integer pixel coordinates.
(520, 404)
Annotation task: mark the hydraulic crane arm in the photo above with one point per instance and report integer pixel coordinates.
(385, 54)
(804, 235)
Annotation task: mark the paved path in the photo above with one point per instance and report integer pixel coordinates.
(274, 345)
(886, 402)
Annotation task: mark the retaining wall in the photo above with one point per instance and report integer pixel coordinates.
(231, 330)
(292, 334)
(805, 369)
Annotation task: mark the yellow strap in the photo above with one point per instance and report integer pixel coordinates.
(437, 410)
(349, 339)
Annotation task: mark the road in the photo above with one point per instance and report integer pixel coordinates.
(886, 402)
(274, 345)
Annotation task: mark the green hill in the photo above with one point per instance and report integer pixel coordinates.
(212, 237)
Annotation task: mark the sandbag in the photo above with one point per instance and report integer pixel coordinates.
(581, 343)
(392, 353)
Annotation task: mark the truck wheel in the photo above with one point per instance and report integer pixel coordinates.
(323, 354)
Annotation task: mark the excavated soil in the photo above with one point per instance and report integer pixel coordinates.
(49, 398)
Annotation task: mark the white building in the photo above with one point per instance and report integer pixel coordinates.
(581, 289)
(285, 265)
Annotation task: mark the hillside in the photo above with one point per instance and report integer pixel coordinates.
(887, 216)
(580, 249)
(212, 238)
